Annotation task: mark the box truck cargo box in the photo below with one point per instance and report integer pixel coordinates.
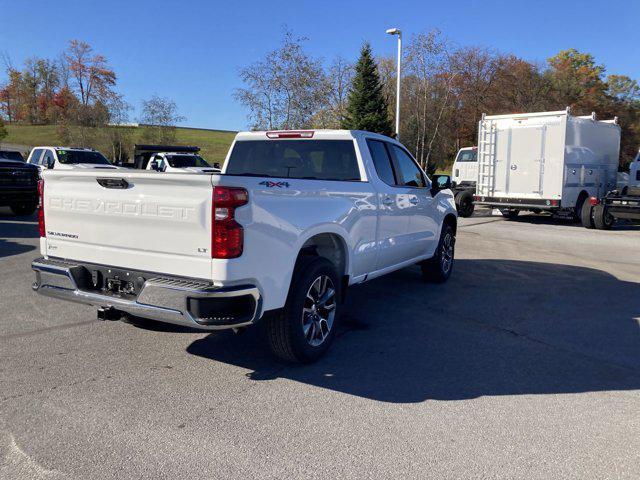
(545, 161)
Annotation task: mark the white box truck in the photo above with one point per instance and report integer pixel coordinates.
(550, 161)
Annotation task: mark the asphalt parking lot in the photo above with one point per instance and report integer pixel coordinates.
(526, 364)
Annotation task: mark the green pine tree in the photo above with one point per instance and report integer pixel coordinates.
(367, 107)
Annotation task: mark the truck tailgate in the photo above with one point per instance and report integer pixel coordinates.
(159, 222)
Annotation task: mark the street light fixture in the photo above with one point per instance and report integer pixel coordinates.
(398, 32)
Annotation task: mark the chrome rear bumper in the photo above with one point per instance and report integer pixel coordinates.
(167, 299)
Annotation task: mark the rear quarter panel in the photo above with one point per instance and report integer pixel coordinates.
(279, 220)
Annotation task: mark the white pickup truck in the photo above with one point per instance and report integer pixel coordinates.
(68, 158)
(176, 162)
(294, 218)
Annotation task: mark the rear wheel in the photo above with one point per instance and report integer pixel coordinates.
(24, 208)
(464, 204)
(509, 213)
(586, 215)
(601, 218)
(439, 267)
(582, 199)
(304, 329)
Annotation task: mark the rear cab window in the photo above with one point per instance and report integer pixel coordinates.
(299, 159)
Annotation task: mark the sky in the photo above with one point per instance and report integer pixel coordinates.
(191, 50)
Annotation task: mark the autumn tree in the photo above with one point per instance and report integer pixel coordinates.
(367, 107)
(577, 81)
(92, 77)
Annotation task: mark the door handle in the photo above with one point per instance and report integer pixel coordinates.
(388, 201)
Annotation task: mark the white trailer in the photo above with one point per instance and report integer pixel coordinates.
(545, 161)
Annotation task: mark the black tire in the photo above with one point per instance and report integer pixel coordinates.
(577, 212)
(24, 209)
(439, 267)
(586, 215)
(464, 204)
(509, 214)
(294, 331)
(601, 219)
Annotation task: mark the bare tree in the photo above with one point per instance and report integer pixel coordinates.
(428, 64)
(160, 116)
(286, 89)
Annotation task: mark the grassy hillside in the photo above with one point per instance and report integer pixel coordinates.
(214, 144)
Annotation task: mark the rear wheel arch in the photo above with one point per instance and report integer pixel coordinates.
(450, 219)
(329, 245)
(582, 197)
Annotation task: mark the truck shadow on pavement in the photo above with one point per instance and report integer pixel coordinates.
(496, 328)
(15, 227)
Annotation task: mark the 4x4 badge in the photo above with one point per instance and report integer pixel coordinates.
(270, 184)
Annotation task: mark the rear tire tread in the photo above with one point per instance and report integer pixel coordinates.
(280, 325)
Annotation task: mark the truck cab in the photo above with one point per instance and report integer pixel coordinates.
(463, 179)
(465, 168)
(68, 158)
(175, 162)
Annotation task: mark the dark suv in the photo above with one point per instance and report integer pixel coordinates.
(18, 183)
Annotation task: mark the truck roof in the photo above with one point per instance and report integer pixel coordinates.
(80, 149)
(557, 113)
(319, 134)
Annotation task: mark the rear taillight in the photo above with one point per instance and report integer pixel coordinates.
(43, 232)
(594, 201)
(227, 235)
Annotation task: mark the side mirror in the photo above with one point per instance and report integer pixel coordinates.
(440, 182)
(50, 162)
(216, 165)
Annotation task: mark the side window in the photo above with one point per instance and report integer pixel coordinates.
(381, 161)
(35, 156)
(410, 174)
(48, 157)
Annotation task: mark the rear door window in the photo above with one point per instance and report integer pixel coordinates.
(35, 156)
(381, 161)
(303, 159)
(48, 157)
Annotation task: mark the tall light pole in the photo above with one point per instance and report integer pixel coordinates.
(398, 32)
